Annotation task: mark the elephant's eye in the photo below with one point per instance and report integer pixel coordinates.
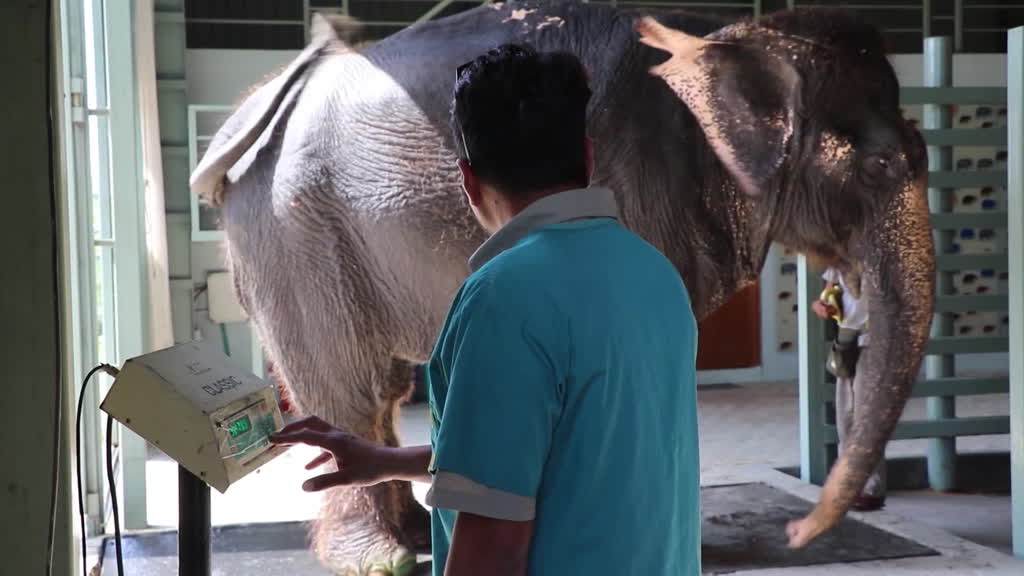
(879, 169)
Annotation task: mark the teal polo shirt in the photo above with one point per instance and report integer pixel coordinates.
(562, 390)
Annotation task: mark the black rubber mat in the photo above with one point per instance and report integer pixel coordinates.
(744, 528)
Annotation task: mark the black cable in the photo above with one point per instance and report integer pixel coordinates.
(58, 369)
(78, 460)
(113, 495)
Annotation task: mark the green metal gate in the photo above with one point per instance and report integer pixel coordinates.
(950, 183)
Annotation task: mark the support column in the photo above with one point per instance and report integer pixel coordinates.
(813, 447)
(1015, 225)
(938, 63)
(130, 247)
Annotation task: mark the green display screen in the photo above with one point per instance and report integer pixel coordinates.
(239, 426)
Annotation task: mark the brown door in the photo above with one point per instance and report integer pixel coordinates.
(730, 337)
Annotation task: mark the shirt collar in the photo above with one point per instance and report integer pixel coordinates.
(574, 204)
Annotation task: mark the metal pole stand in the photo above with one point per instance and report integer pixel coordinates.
(193, 525)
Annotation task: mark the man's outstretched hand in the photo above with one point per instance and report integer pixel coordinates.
(360, 462)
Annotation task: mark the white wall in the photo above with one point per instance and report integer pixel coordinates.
(968, 69)
(221, 76)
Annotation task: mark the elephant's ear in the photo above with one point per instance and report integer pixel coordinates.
(248, 129)
(743, 97)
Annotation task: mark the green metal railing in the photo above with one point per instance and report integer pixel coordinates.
(433, 8)
(940, 385)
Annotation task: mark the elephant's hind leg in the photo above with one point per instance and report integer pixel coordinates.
(375, 531)
(415, 521)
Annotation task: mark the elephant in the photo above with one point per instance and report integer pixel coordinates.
(347, 233)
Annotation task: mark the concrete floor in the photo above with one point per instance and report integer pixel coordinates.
(752, 427)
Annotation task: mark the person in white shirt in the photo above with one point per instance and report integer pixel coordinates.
(851, 314)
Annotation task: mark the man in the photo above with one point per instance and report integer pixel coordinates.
(851, 315)
(562, 386)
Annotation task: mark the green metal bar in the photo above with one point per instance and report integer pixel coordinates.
(926, 19)
(995, 136)
(855, 6)
(938, 71)
(1015, 189)
(983, 30)
(955, 386)
(952, 95)
(168, 17)
(244, 21)
(957, 345)
(434, 11)
(170, 84)
(813, 447)
(956, 220)
(968, 302)
(685, 4)
(225, 342)
(958, 25)
(949, 428)
(970, 261)
(961, 386)
(967, 179)
(307, 19)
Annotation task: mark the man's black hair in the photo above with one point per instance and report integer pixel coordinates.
(519, 118)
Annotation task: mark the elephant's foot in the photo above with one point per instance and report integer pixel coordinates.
(359, 533)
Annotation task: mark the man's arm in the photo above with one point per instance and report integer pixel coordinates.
(482, 545)
(410, 463)
(359, 461)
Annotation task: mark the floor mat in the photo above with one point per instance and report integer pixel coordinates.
(744, 528)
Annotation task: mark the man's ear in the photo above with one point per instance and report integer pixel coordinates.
(743, 97)
(470, 183)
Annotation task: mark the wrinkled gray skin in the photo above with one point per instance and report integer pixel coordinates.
(348, 234)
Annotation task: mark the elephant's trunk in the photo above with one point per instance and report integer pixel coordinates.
(898, 281)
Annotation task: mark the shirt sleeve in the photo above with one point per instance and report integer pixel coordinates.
(831, 275)
(503, 362)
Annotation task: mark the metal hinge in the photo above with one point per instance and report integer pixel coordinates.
(79, 111)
